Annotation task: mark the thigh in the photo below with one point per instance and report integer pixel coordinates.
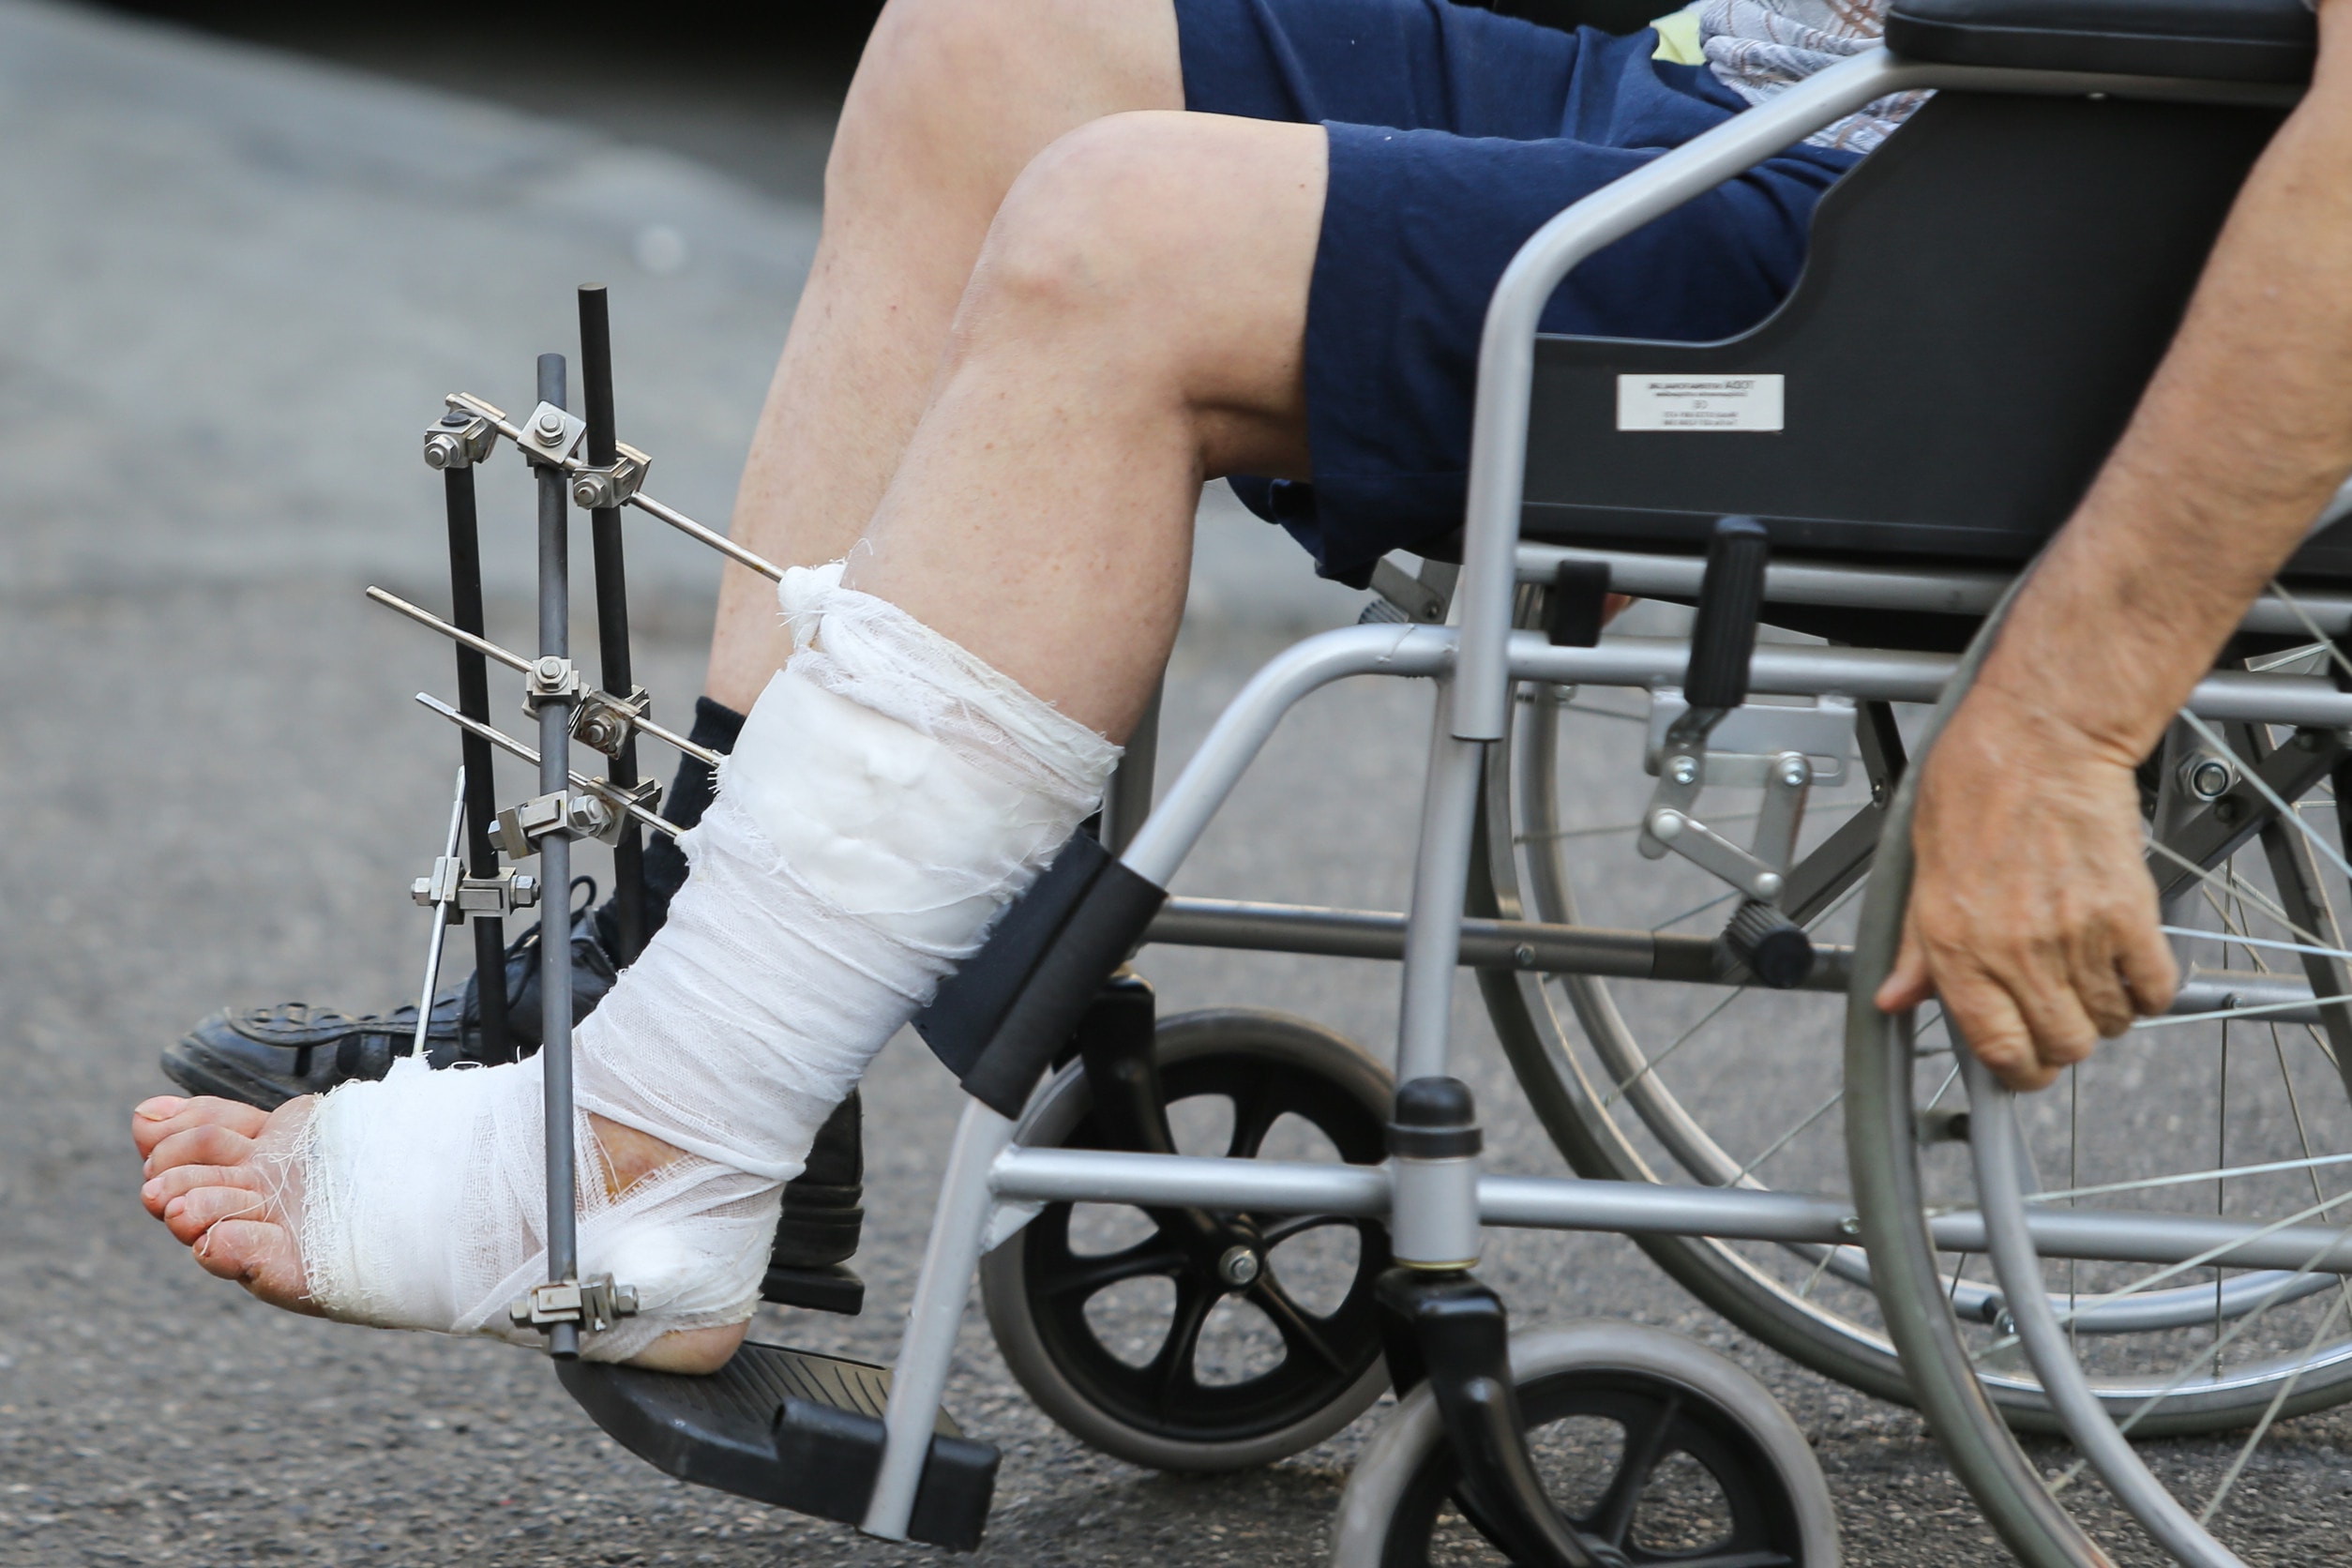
(1419, 224)
(1417, 65)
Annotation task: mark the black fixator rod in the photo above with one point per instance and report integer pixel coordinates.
(613, 612)
(555, 876)
(481, 788)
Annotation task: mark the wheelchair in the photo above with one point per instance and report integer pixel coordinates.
(1675, 857)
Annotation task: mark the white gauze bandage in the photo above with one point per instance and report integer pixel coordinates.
(889, 795)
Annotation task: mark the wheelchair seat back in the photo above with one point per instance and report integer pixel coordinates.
(1983, 300)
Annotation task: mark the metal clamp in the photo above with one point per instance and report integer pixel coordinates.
(550, 680)
(603, 722)
(600, 488)
(596, 1304)
(601, 816)
(440, 886)
(467, 897)
(550, 435)
(521, 827)
(460, 441)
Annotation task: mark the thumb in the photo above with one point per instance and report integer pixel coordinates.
(1908, 984)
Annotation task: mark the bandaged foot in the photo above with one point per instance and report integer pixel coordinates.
(889, 796)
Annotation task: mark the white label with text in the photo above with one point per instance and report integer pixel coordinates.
(1699, 402)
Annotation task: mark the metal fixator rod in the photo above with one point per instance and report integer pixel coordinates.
(613, 615)
(599, 788)
(555, 872)
(440, 924)
(496, 1043)
(516, 662)
(642, 502)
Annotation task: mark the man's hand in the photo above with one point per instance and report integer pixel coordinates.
(2031, 913)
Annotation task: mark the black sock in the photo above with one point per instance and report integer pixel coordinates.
(715, 727)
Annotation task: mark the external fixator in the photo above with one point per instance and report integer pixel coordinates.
(601, 720)
(594, 1304)
(518, 828)
(633, 800)
(461, 898)
(555, 445)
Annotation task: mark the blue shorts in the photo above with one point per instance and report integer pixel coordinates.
(1454, 135)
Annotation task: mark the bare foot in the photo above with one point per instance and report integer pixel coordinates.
(211, 1180)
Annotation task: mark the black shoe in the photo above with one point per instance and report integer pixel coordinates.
(268, 1055)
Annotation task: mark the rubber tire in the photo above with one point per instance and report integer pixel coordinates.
(1051, 1115)
(1413, 1431)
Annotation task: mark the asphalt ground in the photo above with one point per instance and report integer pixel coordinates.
(234, 280)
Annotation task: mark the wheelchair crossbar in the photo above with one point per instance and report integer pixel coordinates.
(1921, 589)
(1639, 1208)
(1886, 677)
(1517, 945)
(1158, 851)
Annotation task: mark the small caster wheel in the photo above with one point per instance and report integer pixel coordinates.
(1654, 1448)
(1265, 1337)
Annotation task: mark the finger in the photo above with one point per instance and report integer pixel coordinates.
(2151, 976)
(200, 1145)
(1910, 983)
(180, 1180)
(259, 1255)
(191, 1214)
(1985, 1016)
(2098, 984)
(147, 1131)
(2053, 1015)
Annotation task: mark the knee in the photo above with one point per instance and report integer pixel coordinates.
(1088, 233)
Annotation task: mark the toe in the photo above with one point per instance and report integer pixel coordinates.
(181, 1179)
(192, 1214)
(154, 1121)
(257, 1255)
(202, 1144)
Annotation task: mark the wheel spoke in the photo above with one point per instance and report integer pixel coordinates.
(2262, 787)
(1086, 1277)
(1292, 1323)
(1256, 1110)
(2262, 1427)
(1274, 1235)
(1645, 1446)
(1170, 1371)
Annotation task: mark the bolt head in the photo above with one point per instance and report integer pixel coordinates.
(1795, 774)
(1238, 1267)
(549, 669)
(1768, 885)
(550, 423)
(585, 491)
(1666, 826)
(1684, 770)
(2208, 778)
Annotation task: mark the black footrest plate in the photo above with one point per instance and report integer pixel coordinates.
(788, 1427)
(832, 1288)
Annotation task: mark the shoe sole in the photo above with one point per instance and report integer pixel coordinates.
(198, 1070)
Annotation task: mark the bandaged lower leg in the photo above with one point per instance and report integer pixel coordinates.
(889, 795)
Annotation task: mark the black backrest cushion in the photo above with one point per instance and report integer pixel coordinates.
(1985, 297)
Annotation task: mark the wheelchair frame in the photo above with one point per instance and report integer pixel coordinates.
(1435, 1214)
(1435, 1207)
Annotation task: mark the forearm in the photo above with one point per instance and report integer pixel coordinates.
(2244, 433)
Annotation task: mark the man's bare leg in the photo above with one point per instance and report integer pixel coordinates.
(1133, 325)
(951, 101)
